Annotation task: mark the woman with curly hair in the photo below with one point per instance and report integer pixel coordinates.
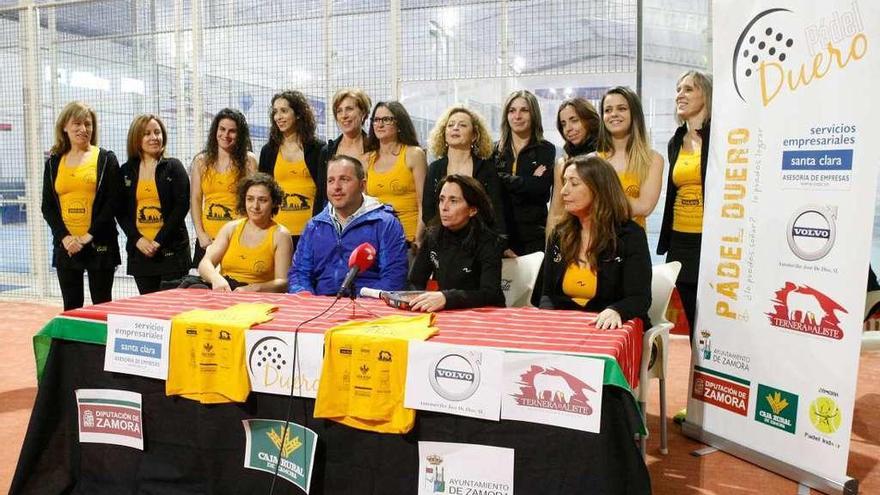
(396, 166)
(251, 254)
(227, 158)
(463, 145)
(293, 157)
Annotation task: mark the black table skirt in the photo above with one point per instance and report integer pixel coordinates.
(190, 448)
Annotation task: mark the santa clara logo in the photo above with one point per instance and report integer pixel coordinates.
(552, 388)
(804, 309)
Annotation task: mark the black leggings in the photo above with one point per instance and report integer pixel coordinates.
(152, 283)
(688, 294)
(72, 292)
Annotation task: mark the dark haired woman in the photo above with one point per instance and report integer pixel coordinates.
(155, 201)
(597, 258)
(253, 253)
(578, 123)
(227, 158)
(682, 229)
(461, 251)
(524, 162)
(80, 193)
(396, 166)
(293, 157)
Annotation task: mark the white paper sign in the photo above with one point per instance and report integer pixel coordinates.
(450, 379)
(110, 416)
(460, 469)
(553, 389)
(270, 362)
(137, 346)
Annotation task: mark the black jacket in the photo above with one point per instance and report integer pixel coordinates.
(623, 278)
(312, 151)
(103, 251)
(671, 190)
(468, 270)
(172, 184)
(525, 196)
(484, 172)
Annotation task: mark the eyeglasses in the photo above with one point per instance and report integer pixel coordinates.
(384, 120)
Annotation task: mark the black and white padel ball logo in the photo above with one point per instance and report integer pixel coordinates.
(811, 231)
(455, 377)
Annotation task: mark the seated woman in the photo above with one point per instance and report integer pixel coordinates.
(254, 252)
(461, 250)
(597, 259)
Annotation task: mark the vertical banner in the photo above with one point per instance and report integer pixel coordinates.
(789, 208)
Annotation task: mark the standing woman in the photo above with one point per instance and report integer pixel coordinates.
(155, 201)
(682, 228)
(80, 194)
(396, 166)
(578, 123)
(292, 157)
(524, 162)
(227, 158)
(463, 145)
(350, 108)
(623, 142)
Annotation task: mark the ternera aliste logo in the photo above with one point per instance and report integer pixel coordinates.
(778, 52)
(804, 309)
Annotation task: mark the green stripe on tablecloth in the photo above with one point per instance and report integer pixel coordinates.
(111, 402)
(90, 332)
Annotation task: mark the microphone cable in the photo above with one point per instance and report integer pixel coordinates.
(289, 412)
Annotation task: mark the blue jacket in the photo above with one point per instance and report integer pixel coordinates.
(321, 259)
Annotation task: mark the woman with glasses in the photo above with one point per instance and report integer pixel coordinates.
(80, 193)
(396, 166)
(155, 201)
(227, 158)
(623, 142)
(293, 158)
(524, 162)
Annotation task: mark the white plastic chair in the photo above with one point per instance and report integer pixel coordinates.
(518, 277)
(662, 283)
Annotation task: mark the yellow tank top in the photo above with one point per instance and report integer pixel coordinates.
(149, 211)
(206, 360)
(397, 188)
(251, 265)
(579, 283)
(364, 372)
(688, 206)
(76, 187)
(632, 188)
(299, 194)
(218, 199)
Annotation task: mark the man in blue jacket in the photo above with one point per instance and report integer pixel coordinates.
(349, 219)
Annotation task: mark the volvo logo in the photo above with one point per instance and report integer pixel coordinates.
(811, 231)
(455, 377)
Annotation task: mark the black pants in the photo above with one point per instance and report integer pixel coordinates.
(72, 291)
(152, 283)
(688, 293)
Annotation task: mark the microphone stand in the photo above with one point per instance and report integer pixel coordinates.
(353, 305)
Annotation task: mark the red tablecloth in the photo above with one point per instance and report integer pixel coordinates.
(527, 329)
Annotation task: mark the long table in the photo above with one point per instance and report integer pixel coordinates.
(193, 448)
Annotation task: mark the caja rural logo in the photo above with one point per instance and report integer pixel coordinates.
(804, 309)
(552, 388)
(774, 53)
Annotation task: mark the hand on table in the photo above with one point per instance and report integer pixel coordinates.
(221, 285)
(608, 319)
(428, 302)
(246, 288)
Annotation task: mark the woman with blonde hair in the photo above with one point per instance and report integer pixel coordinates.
(524, 163)
(80, 194)
(155, 201)
(226, 159)
(623, 142)
(396, 166)
(597, 258)
(462, 142)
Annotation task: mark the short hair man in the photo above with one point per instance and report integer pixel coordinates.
(349, 219)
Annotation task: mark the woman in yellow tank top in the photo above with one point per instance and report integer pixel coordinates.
(623, 142)
(251, 254)
(80, 194)
(396, 166)
(293, 157)
(227, 158)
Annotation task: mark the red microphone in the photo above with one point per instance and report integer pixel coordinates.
(361, 259)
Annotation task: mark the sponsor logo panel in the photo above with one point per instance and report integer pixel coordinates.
(110, 416)
(464, 469)
(270, 442)
(721, 390)
(776, 408)
(801, 308)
